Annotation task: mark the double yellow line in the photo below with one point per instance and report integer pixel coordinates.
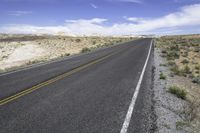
(50, 81)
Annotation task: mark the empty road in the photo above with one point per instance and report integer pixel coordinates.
(97, 92)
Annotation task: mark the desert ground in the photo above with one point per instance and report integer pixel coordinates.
(179, 74)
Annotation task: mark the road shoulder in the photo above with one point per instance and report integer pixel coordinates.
(168, 108)
(143, 119)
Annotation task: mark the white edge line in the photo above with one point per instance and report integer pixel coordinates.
(134, 98)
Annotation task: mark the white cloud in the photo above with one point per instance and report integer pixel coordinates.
(186, 16)
(19, 13)
(87, 21)
(185, 1)
(134, 19)
(93, 6)
(16, 28)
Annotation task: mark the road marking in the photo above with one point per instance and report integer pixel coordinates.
(50, 81)
(134, 98)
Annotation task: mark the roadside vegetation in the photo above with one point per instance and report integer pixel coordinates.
(85, 50)
(179, 92)
(182, 55)
(162, 76)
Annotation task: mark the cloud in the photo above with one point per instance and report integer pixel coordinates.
(93, 6)
(185, 1)
(19, 13)
(87, 21)
(186, 17)
(30, 29)
(134, 19)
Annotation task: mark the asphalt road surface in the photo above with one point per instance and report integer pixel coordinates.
(88, 93)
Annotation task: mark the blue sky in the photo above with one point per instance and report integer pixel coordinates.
(109, 17)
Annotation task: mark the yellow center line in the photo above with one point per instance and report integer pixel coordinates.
(50, 81)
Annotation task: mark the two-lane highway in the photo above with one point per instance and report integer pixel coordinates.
(89, 93)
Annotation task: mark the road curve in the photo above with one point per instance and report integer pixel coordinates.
(88, 93)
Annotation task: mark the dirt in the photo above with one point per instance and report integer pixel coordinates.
(22, 55)
(175, 114)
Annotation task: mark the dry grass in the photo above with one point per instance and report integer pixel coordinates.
(183, 56)
(184, 53)
(179, 92)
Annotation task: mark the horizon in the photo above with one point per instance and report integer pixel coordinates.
(105, 18)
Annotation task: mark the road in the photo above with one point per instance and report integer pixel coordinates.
(88, 93)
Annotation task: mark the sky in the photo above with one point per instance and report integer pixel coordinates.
(100, 17)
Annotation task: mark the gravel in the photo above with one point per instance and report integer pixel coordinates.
(168, 107)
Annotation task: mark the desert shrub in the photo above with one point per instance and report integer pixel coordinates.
(67, 54)
(180, 93)
(162, 76)
(84, 50)
(34, 62)
(186, 70)
(4, 56)
(174, 48)
(120, 40)
(181, 72)
(185, 54)
(192, 112)
(195, 41)
(197, 72)
(94, 42)
(197, 49)
(185, 61)
(171, 63)
(163, 65)
(164, 51)
(172, 55)
(181, 124)
(196, 79)
(106, 45)
(175, 70)
(194, 62)
(98, 46)
(197, 67)
(78, 40)
(92, 48)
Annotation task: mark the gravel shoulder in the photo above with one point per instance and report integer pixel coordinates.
(168, 108)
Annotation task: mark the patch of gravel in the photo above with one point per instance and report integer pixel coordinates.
(168, 108)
